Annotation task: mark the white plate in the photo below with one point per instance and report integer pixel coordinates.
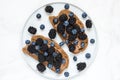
(72, 69)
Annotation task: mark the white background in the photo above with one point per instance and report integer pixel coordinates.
(105, 15)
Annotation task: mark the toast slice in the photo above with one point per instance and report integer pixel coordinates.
(57, 49)
(78, 47)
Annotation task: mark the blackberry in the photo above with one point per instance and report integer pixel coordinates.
(44, 47)
(88, 23)
(39, 41)
(41, 67)
(56, 64)
(72, 37)
(41, 57)
(52, 33)
(31, 49)
(69, 29)
(58, 58)
(71, 47)
(81, 66)
(51, 50)
(32, 30)
(50, 59)
(72, 20)
(63, 17)
(49, 9)
(82, 36)
(61, 28)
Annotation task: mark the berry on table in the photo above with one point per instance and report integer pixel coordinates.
(88, 23)
(27, 41)
(87, 55)
(67, 6)
(49, 9)
(75, 58)
(84, 15)
(41, 67)
(32, 30)
(52, 33)
(66, 74)
(42, 26)
(38, 16)
(92, 41)
(81, 66)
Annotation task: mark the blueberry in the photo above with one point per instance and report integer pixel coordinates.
(52, 44)
(66, 74)
(50, 66)
(75, 58)
(75, 42)
(87, 55)
(33, 43)
(61, 43)
(66, 41)
(42, 26)
(38, 16)
(57, 70)
(81, 66)
(45, 54)
(41, 67)
(66, 6)
(45, 41)
(63, 61)
(37, 47)
(71, 14)
(88, 23)
(82, 44)
(52, 33)
(71, 47)
(63, 17)
(64, 35)
(49, 9)
(55, 20)
(84, 15)
(27, 41)
(54, 54)
(74, 31)
(32, 30)
(92, 41)
(82, 36)
(82, 30)
(66, 23)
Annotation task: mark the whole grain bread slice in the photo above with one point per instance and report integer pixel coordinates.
(78, 48)
(57, 48)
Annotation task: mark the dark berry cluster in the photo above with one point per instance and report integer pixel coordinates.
(46, 53)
